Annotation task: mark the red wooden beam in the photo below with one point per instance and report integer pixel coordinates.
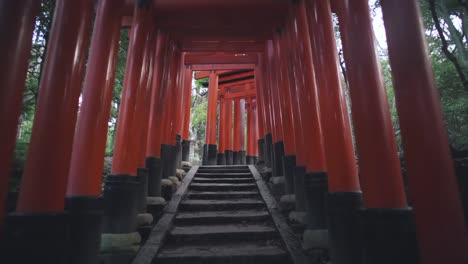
(225, 46)
(244, 94)
(207, 67)
(221, 58)
(236, 76)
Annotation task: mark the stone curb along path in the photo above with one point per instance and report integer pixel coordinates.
(222, 214)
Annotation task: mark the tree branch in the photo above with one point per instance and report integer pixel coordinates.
(450, 56)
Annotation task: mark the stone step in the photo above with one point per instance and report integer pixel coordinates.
(230, 253)
(221, 205)
(223, 175)
(221, 217)
(223, 195)
(223, 171)
(222, 233)
(223, 187)
(226, 167)
(222, 180)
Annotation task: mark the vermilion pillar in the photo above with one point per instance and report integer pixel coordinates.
(169, 115)
(91, 133)
(273, 86)
(143, 104)
(212, 106)
(221, 159)
(187, 100)
(237, 125)
(280, 49)
(180, 103)
(313, 151)
(378, 160)
(125, 161)
(44, 180)
(239, 112)
(210, 150)
(265, 91)
(261, 107)
(186, 112)
(229, 132)
(295, 91)
(248, 107)
(255, 132)
(379, 164)
(153, 146)
(344, 197)
(188, 104)
(16, 26)
(434, 192)
(340, 157)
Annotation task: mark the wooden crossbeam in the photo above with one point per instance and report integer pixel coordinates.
(212, 67)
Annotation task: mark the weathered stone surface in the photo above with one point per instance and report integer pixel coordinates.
(120, 242)
(175, 181)
(166, 182)
(144, 219)
(180, 174)
(315, 239)
(287, 203)
(277, 187)
(298, 217)
(226, 253)
(156, 201)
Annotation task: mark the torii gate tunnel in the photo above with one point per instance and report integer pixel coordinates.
(277, 60)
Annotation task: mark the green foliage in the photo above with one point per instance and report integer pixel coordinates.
(198, 115)
(118, 87)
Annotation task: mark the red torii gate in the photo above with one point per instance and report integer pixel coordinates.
(298, 87)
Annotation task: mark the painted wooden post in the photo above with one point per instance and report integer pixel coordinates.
(124, 161)
(44, 181)
(17, 20)
(153, 146)
(287, 152)
(142, 111)
(379, 164)
(378, 160)
(313, 151)
(260, 110)
(229, 131)
(210, 149)
(438, 212)
(221, 158)
(40, 209)
(187, 114)
(239, 112)
(85, 178)
(269, 125)
(344, 197)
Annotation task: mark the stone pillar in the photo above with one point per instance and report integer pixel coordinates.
(17, 20)
(432, 182)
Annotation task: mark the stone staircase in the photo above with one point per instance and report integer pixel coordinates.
(223, 219)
